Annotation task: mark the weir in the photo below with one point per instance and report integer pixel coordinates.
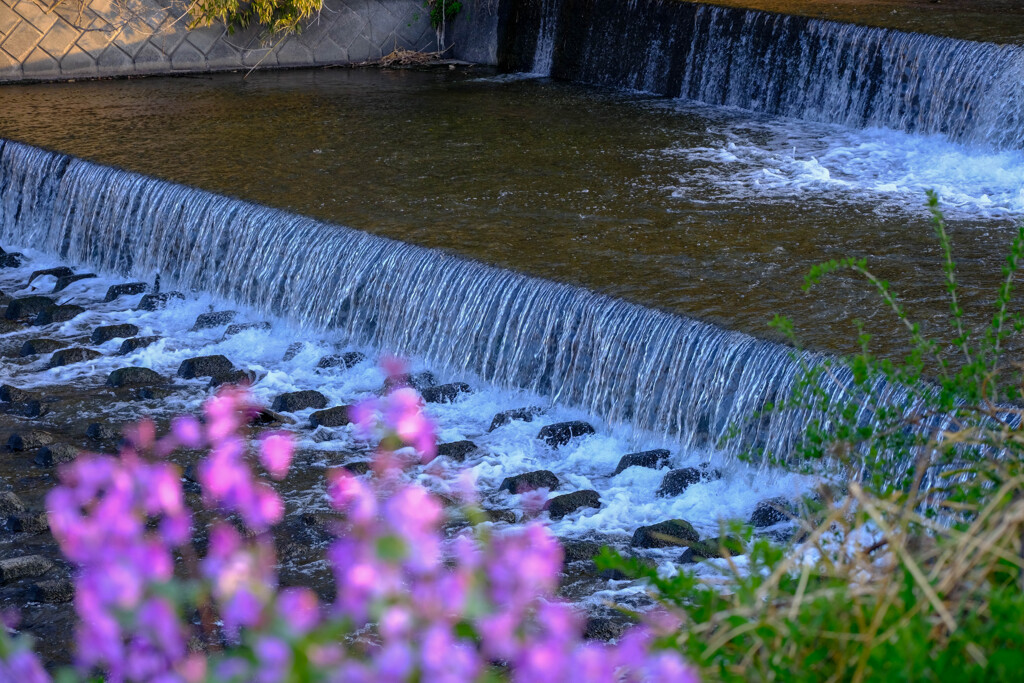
(780, 65)
(665, 374)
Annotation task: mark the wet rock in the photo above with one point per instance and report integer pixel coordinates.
(34, 347)
(574, 550)
(12, 260)
(236, 328)
(58, 314)
(77, 354)
(29, 440)
(30, 408)
(233, 377)
(28, 307)
(677, 481)
(711, 548)
(156, 302)
(294, 349)
(530, 481)
(59, 271)
(206, 321)
(67, 280)
(561, 433)
(444, 393)
(204, 366)
(346, 360)
(135, 343)
(98, 431)
(617, 575)
(501, 515)
(524, 414)
(358, 467)
(655, 460)
(332, 417)
(771, 512)
(299, 400)
(149, 393)
(105, 333)
(418, 381)
(20, 567)
(5, 298)
(52, 591)
(127, 376)
(667, 534)
(125, 289)
(604, 628)
(11, 394)
(10, 504)
(266, 417)
(33, 522)
(457, 450)
(560, 506)
(55, 454)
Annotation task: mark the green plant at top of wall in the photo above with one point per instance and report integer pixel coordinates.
(908, 562)
(442, 11)
(278, 16)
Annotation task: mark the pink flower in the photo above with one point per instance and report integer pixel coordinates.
(276, 451)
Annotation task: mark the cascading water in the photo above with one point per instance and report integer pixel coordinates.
(660, 373)
(544, 53)
(781, 65)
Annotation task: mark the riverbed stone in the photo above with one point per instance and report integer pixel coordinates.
(677, 481)
(523, 414)
(34, 347)
(561, 433)
(136, 343)
(128, 376)
(52, 591)
(55, 454)
(67, 280)
(204, 366)
(14, 259)
(359, 467)
(58, 314)
(294, 349)
(332, 417)
(28, 307)
(125, 289)
(653, 459)
(159, 300)
(30, 408)
(237, 328)
(29, 522)
(577, 550)
(295, 401)
(771, 512)
(560, 506)
(76, 354)
(105, 333)
(15, 568)
(530, 481)
(712, 548)
(59, 271)
(12, 394)
(417, 380)
(10, 504)
(236, 376)
(604, 629)
(457, 450)
(346, 360)
(207, 321)
(99, 431)
(445, 393)
(667, 534)
(29, 439)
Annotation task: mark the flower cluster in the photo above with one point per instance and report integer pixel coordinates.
(411, 603)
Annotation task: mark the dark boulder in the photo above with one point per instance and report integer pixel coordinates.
(294, 349)
(34, 347)
(67, 280)
(125, 289)
(59, 271)
(604, 628)
(29, 440)
(677, 481)
(58, 314)
(524, 414)
(771, 512)
(667, 534)
(10, 504)
(233, 377)
(156, 302)
(358, 467)
(574, 550)
(530, 481)
(236, 328)
(128, 376)
(30, 408)
(418, 381)
(97, 431)
(135, 343)
(12, 260)
(206, 321)
(15, 568)
(266, 417)
(562, 433)
(444, 393)
(619, 575)
(332, 417)
(55, 454)
(500, 515)
(28, 522)
(299, 400)
(457, 450)
(560, 506)
(712, 548)
(655, 460)
(77, 354)
(28, 307)
(52, 591)
(11, 394)
(105, 333)
(346, 360)
(204, 366)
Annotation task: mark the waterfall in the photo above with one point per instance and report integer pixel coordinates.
(545, 51)
(781, 65)
(661, 373)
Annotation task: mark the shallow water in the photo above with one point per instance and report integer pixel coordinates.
(703, 211)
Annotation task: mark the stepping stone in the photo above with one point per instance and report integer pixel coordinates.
(68, 280)
(59, 271)
(347, 360)
(445, 393)
(204, 366)
(457, 450)
(677, 481)
(58, 314)
(35, 347)
(156, 302)
(560, 506)
(771, 512)
(73, 355)
(207, 321)
(295, 401)
(332, 417)
(105, 333)
(655, 460)
(524, 414)
(126, 289)
(530, 481)
(28, 307)
(55, 454)
(561, 433)
(21, 567)
(242, 327)
(135, 343)
(129, 376)
(667, 534)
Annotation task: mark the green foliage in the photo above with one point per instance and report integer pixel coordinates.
(912, 567)
(277, 16)
(442, 11)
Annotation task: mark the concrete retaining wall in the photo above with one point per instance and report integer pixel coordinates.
(40, 40)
